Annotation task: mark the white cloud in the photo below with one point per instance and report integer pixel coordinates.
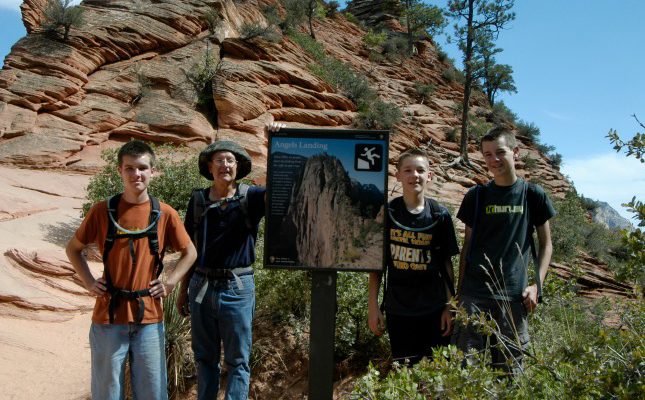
(13, 5)
(557, 116)
(609, 177)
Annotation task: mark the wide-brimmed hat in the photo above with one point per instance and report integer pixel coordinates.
(241, 156)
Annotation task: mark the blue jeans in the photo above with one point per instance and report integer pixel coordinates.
(111, 344)
(225, 316)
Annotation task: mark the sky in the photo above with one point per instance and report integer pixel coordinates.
(578, 67)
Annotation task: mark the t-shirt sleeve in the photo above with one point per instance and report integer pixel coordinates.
(466, 210)
(88, 231)
(541, 207)
(176, 234)
(256, 203)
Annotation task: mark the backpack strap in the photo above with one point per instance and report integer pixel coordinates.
(153, 236)
(438, 215)
(529, 234)
(114, 232)
(242, 190)
(199, 204)
(478, 199)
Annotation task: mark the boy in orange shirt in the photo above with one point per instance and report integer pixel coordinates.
(131, 230)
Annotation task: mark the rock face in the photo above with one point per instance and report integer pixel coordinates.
(324, 217)
(604, 214)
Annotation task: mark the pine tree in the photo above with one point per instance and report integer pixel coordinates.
(474, 18)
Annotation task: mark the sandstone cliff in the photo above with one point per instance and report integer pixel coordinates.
(325, 218)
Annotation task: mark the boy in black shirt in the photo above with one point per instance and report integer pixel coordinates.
(499, 219)
(419, 279)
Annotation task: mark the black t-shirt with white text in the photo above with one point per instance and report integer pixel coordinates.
(418, 246)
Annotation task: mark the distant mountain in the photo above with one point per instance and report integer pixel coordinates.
(603, 213)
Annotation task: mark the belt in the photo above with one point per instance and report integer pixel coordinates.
(117, 294)
(220, 274)
(223, 273)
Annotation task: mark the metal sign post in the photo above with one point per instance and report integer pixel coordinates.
(321, 336)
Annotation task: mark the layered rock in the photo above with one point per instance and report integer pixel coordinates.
(325, 219)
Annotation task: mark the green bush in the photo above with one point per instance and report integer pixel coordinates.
(424, 91)
(373, 39)
(201, 76)
(477, 128)
(568, 227)
(442, 56)
(331, 9)
(502, 115)
(212, 18)
(572, 355)
(378, 115)
(396, 49)
(528, 129)
(452, 135)
(59, 14)
(530, 163)
(254, 30)
(179, 355)
(352, 18)
(453, 75)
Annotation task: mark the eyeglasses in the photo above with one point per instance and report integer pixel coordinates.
(225, 161)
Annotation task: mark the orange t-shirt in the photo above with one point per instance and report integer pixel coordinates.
(171, 233)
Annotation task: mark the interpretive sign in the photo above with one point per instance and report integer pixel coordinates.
(326, 195)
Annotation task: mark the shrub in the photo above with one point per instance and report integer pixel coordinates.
(442, 56)
(201, 76)
(253, 30)
(396, 49)
(179, 355)
(568, 227)
(352, 18)
(555, 159)
(452, 75)
(424, 91)
(572, 355)
(477, 128)
(378, 115)
(212, 19)
(529, 130)
(452, 135)
(530, 163)
(331, 9)
(373, 39)
(59, 14)
(502, 115)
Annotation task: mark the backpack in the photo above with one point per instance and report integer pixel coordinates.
(116, 232)
(479, 192)
(201, 208)
(437, 215)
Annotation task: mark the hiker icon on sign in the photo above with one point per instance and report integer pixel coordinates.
(368, 157)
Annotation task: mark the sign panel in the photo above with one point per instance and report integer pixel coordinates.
(326, 193)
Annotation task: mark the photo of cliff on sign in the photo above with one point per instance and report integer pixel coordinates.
(326, 193)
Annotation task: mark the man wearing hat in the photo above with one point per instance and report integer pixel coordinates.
(220, 291)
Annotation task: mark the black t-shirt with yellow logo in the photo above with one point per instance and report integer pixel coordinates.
(500, 248)
(418, 245)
